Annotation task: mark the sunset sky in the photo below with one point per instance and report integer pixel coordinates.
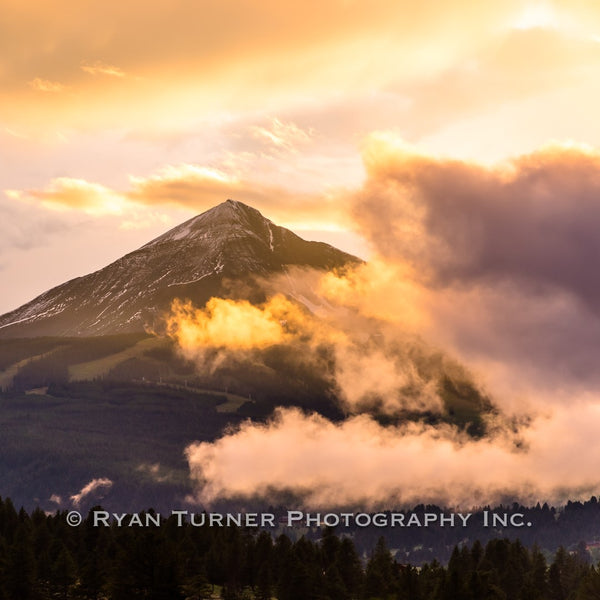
(456, 145)
(121, 119)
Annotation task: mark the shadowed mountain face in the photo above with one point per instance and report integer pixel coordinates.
(226, 246)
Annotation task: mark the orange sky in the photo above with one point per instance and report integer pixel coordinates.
(121, 119)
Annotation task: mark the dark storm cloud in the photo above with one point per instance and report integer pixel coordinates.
(508, 254)
(533, 220)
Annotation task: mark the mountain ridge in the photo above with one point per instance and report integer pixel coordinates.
(231, 242)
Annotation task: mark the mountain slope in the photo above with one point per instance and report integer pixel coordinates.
(231, 242)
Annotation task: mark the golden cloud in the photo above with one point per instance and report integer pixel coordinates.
(65, 193)
(381, 290)
(194, 187)
(228, 323)
(373, 363)
(359, 463)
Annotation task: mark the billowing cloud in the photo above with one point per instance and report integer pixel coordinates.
(503, 255)
(393, 379)
(383, 290)
(101, 484)
(360, 464)
(531, 219)
(371, 364)
(227, 323)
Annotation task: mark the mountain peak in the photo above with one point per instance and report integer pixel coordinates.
(231, 242)
(228, 210)
(224, 220)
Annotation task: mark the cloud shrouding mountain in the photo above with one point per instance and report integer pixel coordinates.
(392, 372)
(496, 264)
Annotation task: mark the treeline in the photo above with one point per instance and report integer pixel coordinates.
(550, 528)
(42, 557)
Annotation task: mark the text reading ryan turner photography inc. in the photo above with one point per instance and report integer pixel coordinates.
(297, 518)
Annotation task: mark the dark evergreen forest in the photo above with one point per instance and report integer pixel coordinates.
(42, 557)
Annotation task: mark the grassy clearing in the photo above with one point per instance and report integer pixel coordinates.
(232, 404)
(7, 375)
(97, 368)
(13, 351)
